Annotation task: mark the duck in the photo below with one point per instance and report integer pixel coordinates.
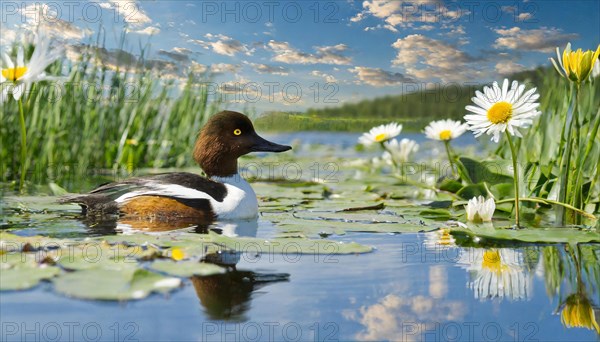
(222, 195)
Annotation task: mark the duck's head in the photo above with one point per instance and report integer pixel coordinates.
(225, 137)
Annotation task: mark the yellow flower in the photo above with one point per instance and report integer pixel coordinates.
(577, 65)
(578, 313)
(177, 254)
(439, 239)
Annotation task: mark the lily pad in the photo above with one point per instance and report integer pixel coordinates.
(103, 284)
(186, 268)
(20, 271)
(290, 246)
(531, 235)
(22, 278)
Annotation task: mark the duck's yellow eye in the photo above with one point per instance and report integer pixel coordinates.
(237, 131)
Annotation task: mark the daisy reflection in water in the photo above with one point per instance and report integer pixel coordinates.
(497, 273)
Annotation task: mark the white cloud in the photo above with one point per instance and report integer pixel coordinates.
(544, 39)
(524, 16)
(401, 13)
(358, 17)
(181, 55)
(43, 17)
(508, 67)
(270, 69)
(149, 31)
(229, 47)
(386, 319)
(129, 10)
(182, 50)
(426, 58)
(221, 68)
(223, 45)
(515, 11)
(327, 77)
(378, 77)
(236, 87)
(196, 67)
(509, 9)
(285, 53)
(425, 27)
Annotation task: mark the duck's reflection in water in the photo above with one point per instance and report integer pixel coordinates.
(122, 225)
(224, 296)
(227, 296)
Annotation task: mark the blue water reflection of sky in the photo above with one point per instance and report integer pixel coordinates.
(403, 291)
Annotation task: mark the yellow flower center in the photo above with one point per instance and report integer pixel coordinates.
(492, 261)
(446, 238)
(380, 137)
(14, 74)
(177, 254)
(500, 112)
(446, 134)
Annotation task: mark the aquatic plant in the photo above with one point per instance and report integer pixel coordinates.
(399, 152)
(17, 78)
(503, 110)
(480, 210)
(579, 132)
(380, 134)
(108, 117)
(446, 130)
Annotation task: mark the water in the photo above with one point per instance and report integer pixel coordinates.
(410, 288)
(344, 140)
(403, 291)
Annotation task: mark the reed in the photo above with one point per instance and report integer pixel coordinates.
(99, 118)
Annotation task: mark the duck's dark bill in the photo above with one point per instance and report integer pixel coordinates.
(263, 145)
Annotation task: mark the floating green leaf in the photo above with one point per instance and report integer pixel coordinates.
(186, 268)
(103, 284)
(20, 271)
(538, 235)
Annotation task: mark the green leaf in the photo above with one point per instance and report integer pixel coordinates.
(20, 271)
(450, 185)
(472, 190)
(504, 190)
(491, 172)
(22, 278)
(103, 284)
(186, 268)
(537, 235)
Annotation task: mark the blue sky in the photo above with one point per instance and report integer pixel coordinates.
(294, 55)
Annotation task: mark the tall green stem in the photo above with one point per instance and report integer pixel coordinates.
(516, 176)
(23, 145)
(565, 160)
(450, 159)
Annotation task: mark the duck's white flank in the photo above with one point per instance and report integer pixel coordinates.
(239, 203)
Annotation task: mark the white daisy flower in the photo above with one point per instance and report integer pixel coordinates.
(399, 152)
(501, 109)
(18, 76)
(380, 134)
(479, 209)
(497, 273)
(445, 130)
